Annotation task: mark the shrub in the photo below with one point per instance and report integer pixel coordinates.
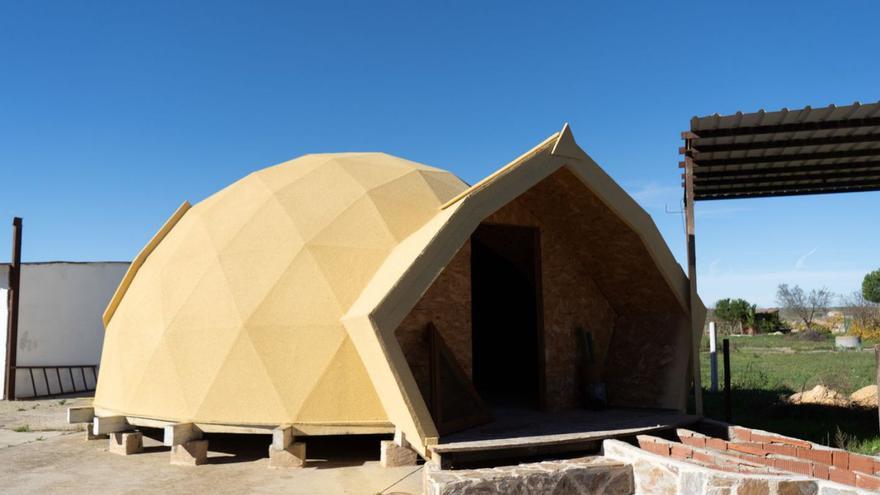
(871, 286)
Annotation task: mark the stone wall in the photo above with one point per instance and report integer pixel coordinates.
(655, 474)
(586, 475)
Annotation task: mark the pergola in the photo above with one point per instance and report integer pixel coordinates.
(769, 154)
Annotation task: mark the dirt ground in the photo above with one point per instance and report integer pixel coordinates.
(52, 457)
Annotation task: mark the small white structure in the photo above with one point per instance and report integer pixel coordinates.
(59, 322)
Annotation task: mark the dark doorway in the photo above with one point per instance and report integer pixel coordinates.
(506, 315)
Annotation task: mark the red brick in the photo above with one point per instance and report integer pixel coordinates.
(794, 466)
(741, 434)
(748, 448)
(716, 443)
(817, 455)
(840, 459)
(681, 451)
(821, 471)
(767, 461)
(644, 441)
(861, 463)
(694, 441)
(842, 476)
(704, 457)
(760, 437)
(867, 481)
(778, 449)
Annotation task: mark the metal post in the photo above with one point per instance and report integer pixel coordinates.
(727, 401)
(877, 374)
(696, 326)
(713, 358)
(13, 297)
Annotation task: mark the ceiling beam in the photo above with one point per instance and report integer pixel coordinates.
(697, 148)
(768, 194)
(796, 176)
(790, 127)
(875, 182)
(832, 167)
(787, 157)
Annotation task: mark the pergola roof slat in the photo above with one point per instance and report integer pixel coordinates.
(785, 153)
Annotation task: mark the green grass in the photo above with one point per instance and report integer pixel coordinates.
(766, 368)
(22, 429)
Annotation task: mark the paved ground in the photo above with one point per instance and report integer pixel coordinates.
(53, 461)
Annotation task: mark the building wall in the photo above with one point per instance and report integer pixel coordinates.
(60, 318)
(447, 303)
(597, 275)
(570, 298)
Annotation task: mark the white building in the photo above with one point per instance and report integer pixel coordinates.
(59, 324)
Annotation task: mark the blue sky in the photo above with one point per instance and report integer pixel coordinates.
(113, 113)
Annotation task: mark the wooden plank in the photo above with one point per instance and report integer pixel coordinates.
(559, 439)
(299, 429)
(80, 415)
(790, 127)
(179, 433)
(782, 157)
(109, 424)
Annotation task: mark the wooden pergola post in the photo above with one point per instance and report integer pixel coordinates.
(696, 326)
(12, 298)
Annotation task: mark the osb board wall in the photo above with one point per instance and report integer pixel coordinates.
(570, 299)
(448, 304)
(646, 363)
(597, 275)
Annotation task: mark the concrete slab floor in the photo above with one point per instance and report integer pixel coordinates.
(69, 464)
(51, 461)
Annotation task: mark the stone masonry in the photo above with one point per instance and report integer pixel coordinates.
(588, 475)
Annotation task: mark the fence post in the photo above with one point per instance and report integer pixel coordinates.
(713, 358)
(727, 401)
(877, 375)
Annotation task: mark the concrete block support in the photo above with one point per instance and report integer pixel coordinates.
(102, 425)
(294, 456)
(191, 453)
(284, 452)
(80, 415)
(126, 443)
(90, 433)
(397, 452)
(393, 455)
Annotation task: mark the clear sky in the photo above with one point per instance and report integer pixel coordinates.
(113, 113)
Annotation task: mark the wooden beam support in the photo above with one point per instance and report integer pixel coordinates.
(790, 127)
(13, 297)
(774, 194)
(110, 424)
(757, 188)
(80, 415)
(181, 433)
(696, 326)
(786, 157)
(697, 148)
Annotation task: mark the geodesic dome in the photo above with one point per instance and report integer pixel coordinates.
(234, 317)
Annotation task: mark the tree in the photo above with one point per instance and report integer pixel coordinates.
(735, 312)
(805, 306)
(871, 286)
